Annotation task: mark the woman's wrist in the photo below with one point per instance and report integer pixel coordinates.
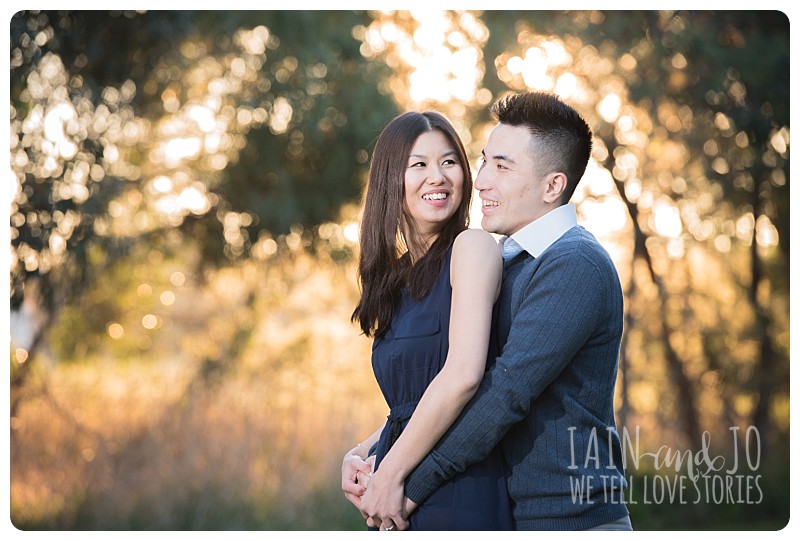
(361, 450)
(393, 470)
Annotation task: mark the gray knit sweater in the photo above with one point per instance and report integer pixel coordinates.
(548, 400)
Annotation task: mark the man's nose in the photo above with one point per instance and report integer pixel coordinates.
(481, 181)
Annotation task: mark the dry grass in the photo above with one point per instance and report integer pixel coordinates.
(236, 415)
(199, 440)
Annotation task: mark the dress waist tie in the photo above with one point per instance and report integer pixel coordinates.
(398, 416)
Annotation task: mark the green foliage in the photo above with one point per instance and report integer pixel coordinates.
(230, 147)
(302, 174)
(298, 118)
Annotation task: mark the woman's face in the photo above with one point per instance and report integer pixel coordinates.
(434, 183)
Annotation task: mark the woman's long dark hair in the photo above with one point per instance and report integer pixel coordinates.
(384, 265)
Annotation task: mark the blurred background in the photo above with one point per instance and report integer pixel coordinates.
(184, 199)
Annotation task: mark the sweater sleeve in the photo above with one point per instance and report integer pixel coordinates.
(560, 308)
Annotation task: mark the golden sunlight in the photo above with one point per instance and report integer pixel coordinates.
(436, 55)
(350, 232)
(542, 66)
(600, 209)
(609, 107)
(115, 331)
(667, 220)
(220, 278)
(533, 68)
(181, 148)
(566, 85)
(281, 115)
(604, 217)
(54, 123)
(766, 232)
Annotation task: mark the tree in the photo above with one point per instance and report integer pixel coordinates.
(690, 113)
(221, 127)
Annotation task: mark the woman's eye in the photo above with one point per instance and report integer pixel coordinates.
(449, 162)
(417, 164)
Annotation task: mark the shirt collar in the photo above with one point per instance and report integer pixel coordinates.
(538, 235)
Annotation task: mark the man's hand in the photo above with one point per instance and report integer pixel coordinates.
(383, 504)
(409, 505)
(353, 467)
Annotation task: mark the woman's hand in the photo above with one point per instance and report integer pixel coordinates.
(363, 478)
(355, 469)
(383, 504)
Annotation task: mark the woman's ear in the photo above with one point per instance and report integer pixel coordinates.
(556, 184)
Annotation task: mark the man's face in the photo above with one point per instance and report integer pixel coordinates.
(511, 191)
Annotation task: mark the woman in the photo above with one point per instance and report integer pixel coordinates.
(428, 285)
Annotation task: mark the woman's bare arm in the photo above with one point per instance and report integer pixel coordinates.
(475, 275)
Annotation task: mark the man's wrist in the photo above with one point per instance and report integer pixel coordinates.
(421, 482)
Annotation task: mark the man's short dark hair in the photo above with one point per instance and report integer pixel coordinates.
(562, 138)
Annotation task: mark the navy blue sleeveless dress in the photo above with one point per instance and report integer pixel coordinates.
(405, 360)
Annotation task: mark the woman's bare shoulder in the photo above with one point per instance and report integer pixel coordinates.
(477, 263)
(471, 240)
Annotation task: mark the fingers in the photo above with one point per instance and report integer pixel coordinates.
(353, 467)
(365, 467)
(353, 492)
(401, 524)
(363, 479)
(409, 506)
(355, 463)
(355, 500)
(387, 525)
(394, 522)
(352, 487)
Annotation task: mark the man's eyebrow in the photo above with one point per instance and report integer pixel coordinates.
(499, 157)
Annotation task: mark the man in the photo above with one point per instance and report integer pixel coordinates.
(548, 399)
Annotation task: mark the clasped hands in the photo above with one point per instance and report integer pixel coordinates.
(378, 496)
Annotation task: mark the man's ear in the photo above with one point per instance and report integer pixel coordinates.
(556, 184)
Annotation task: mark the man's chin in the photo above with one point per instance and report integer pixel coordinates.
(486, 225)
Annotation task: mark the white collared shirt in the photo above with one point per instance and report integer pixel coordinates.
(538, 235)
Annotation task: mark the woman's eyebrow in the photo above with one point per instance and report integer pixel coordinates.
(445, 153)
